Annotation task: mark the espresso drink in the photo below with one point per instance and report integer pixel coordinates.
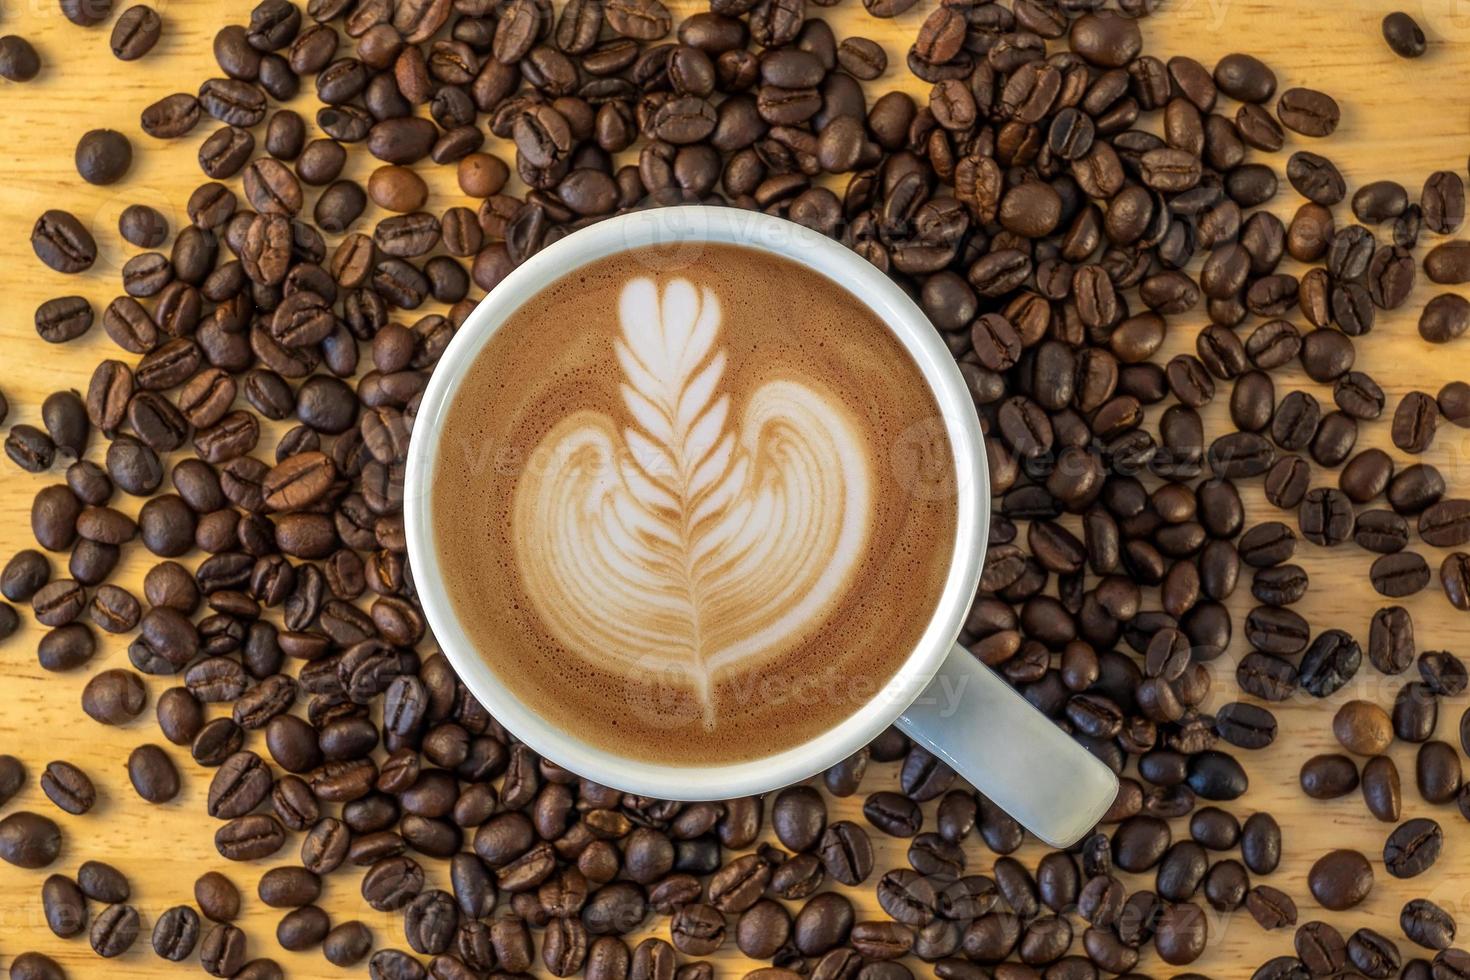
(694, 507)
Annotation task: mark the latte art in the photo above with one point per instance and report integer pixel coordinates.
(683, 507)
(681, 538)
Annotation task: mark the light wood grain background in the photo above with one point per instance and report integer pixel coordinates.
(1401, 120)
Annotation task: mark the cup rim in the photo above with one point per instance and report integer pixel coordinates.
(820, 254)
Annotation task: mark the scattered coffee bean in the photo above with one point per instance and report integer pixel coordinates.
(1412, 848)
(1326, 777)
(1309, 112)
(1427, 924)
(1270, 907)
(217, 897)
(68, 787)
(1320, 948)
(29, 840)
(12, 777)
(18, 61)
(153, 774)
(136, 32)
(1363, 728)
(1340, 879)
(63, 243)
(1260, 843)
(103, 156)
(1403, 34)
(1381, 788)
(64, 906)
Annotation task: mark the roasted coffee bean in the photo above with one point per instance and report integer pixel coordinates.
(1315, 178)
(1181, 933)
(170, 117)
(1381, 788)
(1412, 848)
(1444, 318)
(1271, 908)
(68, 787)
(1330, 662)
(285, 135)
(29, 840)
(225, 152)
(63, 243)
(1414, 422)
(302, 928)
(1244, 725)
(1260, 843)
(1454, 403)
(1446, 523)
(63, 319)
(250, 837)
(222, 950)
(58, 603)
(1326, 516)
(1214, 828)
(824, 922)
(103, 883)
(347, 944)
(1320, 948)
(1279, 585)
(1181, 871)
(1362, 728)
(1244, 77)
(1379, 201)
(1427, 924)
(238, 786)
(153, 774)
(136, 32)
(1415, 712)
(216, 897)
(1403, 35)
(64, 906)
(1454, 578)
(1437, 772)
(25, 574)
(1414, 488)
(1340, 879)
(893, 814)
(1226, 885)
(30, 448)
(1139, 843)
(846, 853)
(176, 933)
(1327, 777)
(1308, 112)
(114, 697)
(18, 63)
(114, 930)
(907, 897)
(1333, 443)
(1399, 574)
(1448, 263)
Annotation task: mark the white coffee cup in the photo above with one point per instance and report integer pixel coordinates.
(941, 697)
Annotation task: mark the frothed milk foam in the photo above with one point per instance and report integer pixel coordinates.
(694, 509)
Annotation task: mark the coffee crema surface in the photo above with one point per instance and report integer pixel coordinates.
(694, 504)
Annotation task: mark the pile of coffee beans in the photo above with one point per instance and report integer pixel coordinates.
(272, 352)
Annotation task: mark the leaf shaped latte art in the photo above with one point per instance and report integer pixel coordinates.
(678, 539)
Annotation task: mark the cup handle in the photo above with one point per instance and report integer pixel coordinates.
(985, 731)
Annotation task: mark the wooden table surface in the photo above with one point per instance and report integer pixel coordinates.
(1401, 120)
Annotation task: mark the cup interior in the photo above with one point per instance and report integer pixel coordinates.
(692, 228)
